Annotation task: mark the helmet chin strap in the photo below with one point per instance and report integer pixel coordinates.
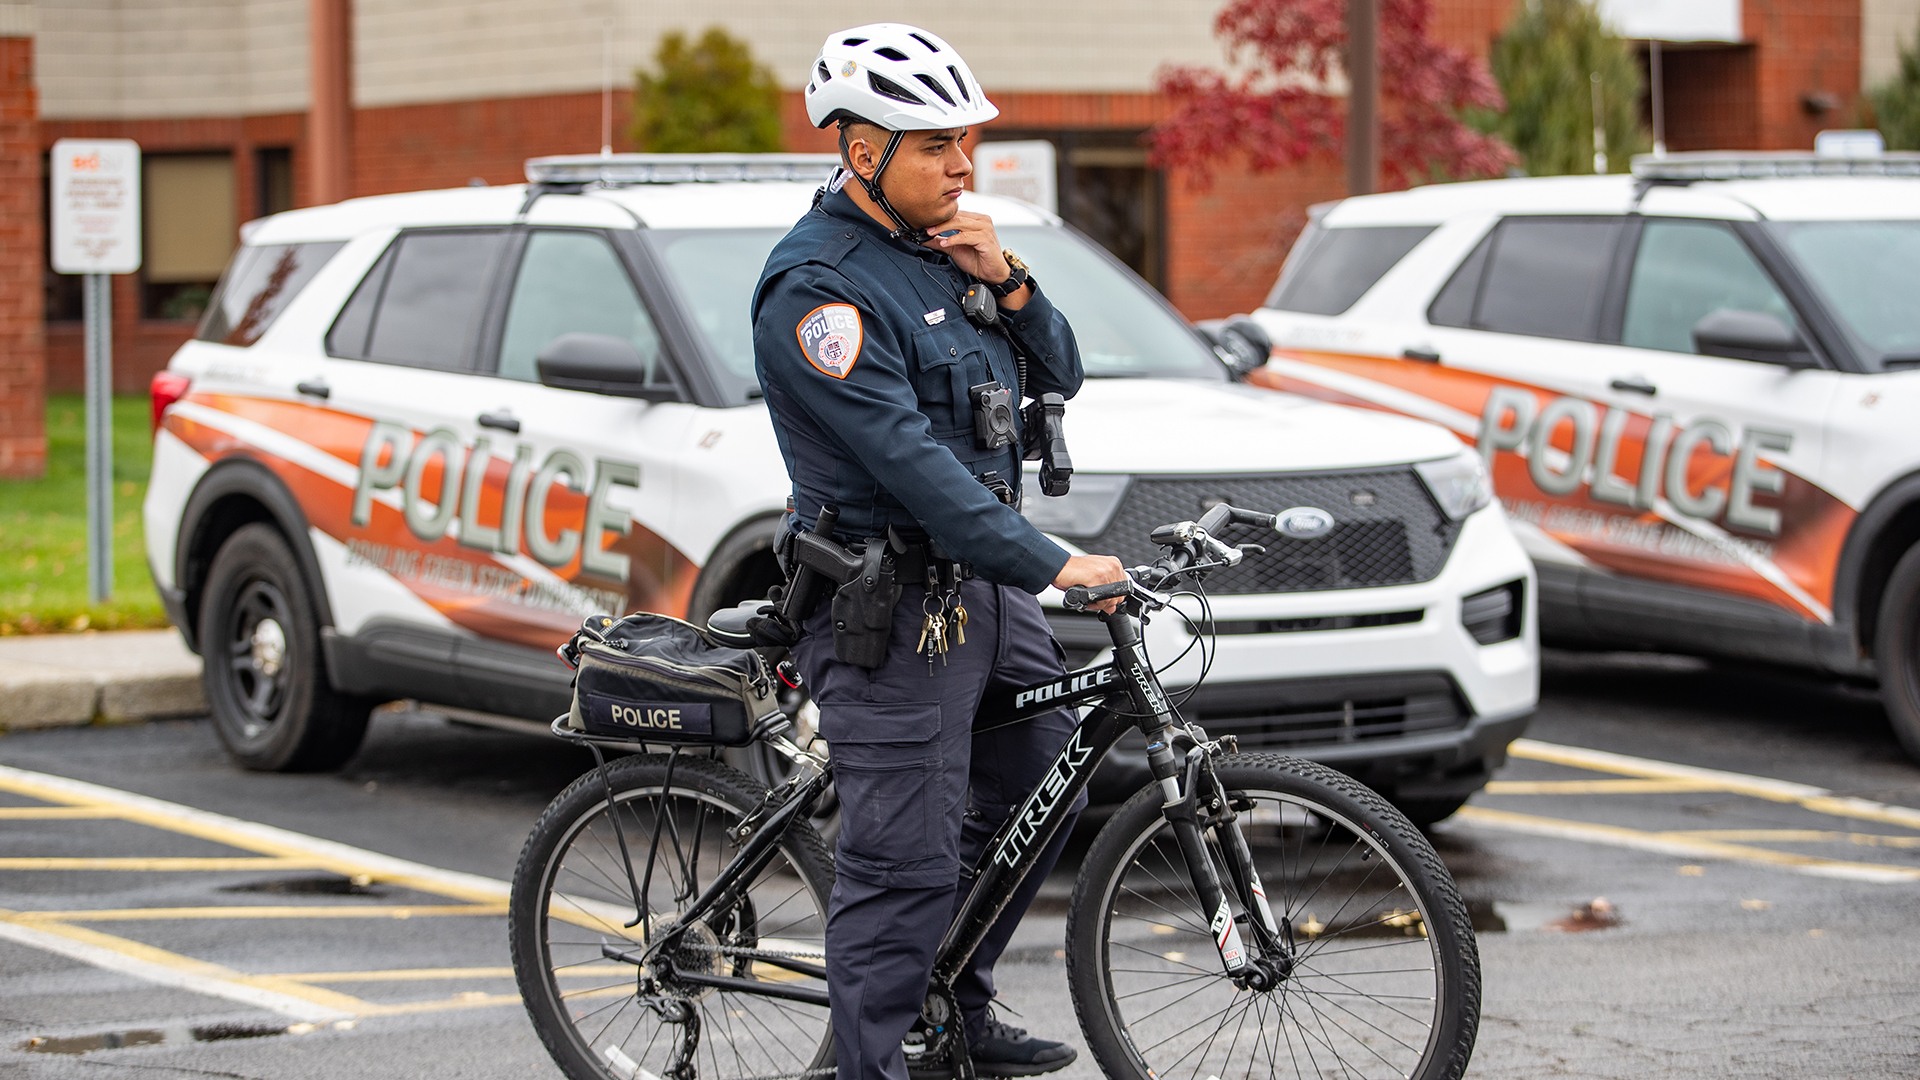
(901, 230)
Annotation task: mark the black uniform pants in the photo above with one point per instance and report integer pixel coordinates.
(920, 796)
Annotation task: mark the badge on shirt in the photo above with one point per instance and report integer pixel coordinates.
(830, 335)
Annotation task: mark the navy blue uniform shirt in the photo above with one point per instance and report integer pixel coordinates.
(865, 357)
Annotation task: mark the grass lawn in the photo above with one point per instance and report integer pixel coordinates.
(43, 529)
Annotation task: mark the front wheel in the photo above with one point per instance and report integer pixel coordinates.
(267, 689)
(1378, 973)
(603, 1008)
(1896, 652)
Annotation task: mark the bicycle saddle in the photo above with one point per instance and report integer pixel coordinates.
(729, 626)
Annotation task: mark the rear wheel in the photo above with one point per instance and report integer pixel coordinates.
(1896, 651)
(1377, 974)
(606, 1014)
(266, 681)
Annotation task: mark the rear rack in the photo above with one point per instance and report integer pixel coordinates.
(1753, 165)
(620, 170)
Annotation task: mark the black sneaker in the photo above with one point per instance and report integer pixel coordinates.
(1004, 1050)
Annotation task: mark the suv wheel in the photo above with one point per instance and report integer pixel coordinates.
(260, 639)
(1896, 651)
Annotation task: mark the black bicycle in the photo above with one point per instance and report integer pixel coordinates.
(1242, 915)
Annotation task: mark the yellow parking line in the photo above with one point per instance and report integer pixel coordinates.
(1684, 846)
(264, 911)
(1806, 796)
(1597, 787)
(250, 836)
(157, 863)
(56, 813)
(474, 1000)
(583, 971)
(1801, 836)
(145, 960)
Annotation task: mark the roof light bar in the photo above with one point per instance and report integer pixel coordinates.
(619, 169)
(1752, 164)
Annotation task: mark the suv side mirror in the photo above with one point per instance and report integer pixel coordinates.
(1751, 335)
(1241, 342)
(601, 364)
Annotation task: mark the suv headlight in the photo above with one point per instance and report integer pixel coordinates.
(1084, 511)
(1459, 483)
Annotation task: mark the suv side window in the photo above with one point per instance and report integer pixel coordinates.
(1336, 267)
(573, 282)
(259, 284)
(1544, 277)
(421, 304)
(1685, 271)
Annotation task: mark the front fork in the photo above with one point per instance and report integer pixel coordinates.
(1196, 803)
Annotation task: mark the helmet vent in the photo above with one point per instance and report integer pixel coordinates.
(887, 88)
(825, 75)
(890, 52)
(853, 41)
(959, 82)
(931, 47)
(934, 85)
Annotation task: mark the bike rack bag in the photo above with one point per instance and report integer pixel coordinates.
(656, 679)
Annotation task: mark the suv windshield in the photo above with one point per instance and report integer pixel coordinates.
(1868, 272)
(1125, 330)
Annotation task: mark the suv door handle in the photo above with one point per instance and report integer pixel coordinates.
(504, 421)
(314, 388)
(1635, 384)
(1426, 354)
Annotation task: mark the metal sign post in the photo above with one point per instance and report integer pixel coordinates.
(96, 232)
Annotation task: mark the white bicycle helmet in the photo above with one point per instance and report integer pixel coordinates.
(896, 76)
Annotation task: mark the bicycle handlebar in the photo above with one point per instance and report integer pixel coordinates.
(1082, 596)
(1185, 541)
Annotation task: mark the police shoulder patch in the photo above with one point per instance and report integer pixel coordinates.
(830, 336)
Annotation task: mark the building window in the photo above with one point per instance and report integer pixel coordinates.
(188, 215)
(1108, 191)
(273, 180)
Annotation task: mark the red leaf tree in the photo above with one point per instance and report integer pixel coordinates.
(1276, 106)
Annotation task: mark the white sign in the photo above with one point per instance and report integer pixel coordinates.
(1674, 20)
(1849, 143)
(96, 206)
(1024, 170)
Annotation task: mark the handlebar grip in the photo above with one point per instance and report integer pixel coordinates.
(1079, 597)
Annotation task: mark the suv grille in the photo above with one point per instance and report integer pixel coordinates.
(1330, 711)
(1387, 529)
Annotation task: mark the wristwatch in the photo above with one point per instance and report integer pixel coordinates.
(1015, 280)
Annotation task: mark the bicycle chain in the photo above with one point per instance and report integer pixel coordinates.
(751, 954)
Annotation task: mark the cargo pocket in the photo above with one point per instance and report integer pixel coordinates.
(893, 805)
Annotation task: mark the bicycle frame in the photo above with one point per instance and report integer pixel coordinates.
(1127, 690)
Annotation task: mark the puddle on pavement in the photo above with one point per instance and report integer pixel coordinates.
(1509, 916)
(311, 885)
(120, 1040)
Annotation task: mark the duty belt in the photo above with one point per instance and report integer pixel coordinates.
(912, 561)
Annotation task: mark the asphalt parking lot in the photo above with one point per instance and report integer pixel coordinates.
(1641, 914)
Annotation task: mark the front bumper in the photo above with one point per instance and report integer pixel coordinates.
(1388, 684)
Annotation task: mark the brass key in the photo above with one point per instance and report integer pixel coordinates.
(959, 622)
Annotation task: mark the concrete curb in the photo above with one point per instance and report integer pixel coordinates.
(69, 680)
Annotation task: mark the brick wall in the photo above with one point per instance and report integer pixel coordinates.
(1804, 49)
(1224, 242)
(23, 440)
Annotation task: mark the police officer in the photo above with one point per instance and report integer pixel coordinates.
(892, 407)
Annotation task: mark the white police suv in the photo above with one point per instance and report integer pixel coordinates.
(1696, 388)
(418, 437)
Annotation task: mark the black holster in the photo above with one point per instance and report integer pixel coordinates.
(863, 609)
